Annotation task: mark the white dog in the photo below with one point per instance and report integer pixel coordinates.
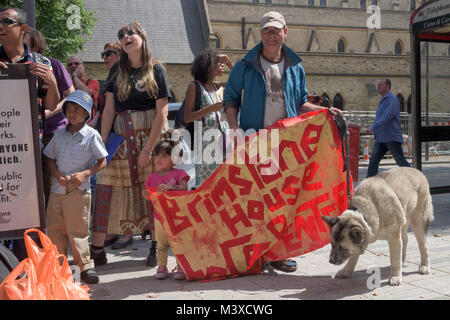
(382, 208)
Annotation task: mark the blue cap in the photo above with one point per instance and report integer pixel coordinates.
(82, 99)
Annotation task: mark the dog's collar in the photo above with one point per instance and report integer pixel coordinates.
(352, 208)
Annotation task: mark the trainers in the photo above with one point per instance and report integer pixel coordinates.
(152, 260)
(162, 273)
(89, 276)
(179, 273)
(99, 258)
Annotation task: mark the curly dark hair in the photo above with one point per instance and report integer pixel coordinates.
(203, 64)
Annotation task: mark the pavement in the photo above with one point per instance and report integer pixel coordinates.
(126, 277)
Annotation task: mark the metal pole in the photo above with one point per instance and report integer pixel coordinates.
(427, 91)
(29, 8)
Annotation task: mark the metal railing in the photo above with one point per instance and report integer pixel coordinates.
(364, 119)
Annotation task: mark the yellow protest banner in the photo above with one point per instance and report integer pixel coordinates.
(241, 216)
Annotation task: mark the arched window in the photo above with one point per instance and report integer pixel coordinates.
(398, 47)
(402, 102)
(341, 45)
(218, 40)
(323, 3)
(325, 99)
(338, 101)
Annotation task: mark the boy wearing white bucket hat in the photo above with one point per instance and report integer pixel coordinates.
(75, 153)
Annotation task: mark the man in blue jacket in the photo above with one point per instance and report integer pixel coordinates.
(386, 129)
(267, 85)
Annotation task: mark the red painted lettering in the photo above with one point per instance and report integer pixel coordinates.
(255, 210)
(313, 204)
(170, 209)
(220, 188)
(308, 140)
(232, 221)
(233, 173)
(192, 207)
(295, 150)
(309, 175)
(190, 274)
(279, 201)
(289, 189)
(226, 250)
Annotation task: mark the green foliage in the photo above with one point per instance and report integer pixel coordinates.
(65, 24)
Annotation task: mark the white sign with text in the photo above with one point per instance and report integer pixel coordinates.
(19, 204)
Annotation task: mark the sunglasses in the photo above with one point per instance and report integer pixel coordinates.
(9, 22)
(73, 64)
(129, 32)
(107, 53)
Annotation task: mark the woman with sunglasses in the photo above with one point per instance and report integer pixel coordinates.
(136, 108)
(110, 56)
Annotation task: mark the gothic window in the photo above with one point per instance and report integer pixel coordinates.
(325, 100)
(310, 2)
(218, 42)
(341, 45)
(323, 3)
(398, 47)
(402, 102)
(363, 4)
(338, 102)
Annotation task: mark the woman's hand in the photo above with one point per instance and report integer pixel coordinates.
(216, 107)
(144, 159)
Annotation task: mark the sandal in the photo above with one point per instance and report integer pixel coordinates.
(284, 265)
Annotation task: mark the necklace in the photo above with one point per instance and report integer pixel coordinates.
(139, 85)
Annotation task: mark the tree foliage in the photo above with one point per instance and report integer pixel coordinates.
(65, 24)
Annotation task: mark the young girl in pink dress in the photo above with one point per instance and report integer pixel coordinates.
(166, 178)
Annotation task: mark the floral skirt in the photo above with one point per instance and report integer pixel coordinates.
(119, 206)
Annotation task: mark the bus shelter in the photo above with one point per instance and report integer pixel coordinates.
(430, 91)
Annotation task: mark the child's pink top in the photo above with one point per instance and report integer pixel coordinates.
(174, 177)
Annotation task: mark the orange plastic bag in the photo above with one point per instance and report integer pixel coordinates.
(46, 277)
(24, 288)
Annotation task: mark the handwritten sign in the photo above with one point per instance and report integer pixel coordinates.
(240, 217)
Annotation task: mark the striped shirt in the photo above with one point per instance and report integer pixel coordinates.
(75, 153)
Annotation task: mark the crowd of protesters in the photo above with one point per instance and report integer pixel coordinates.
(267, 85)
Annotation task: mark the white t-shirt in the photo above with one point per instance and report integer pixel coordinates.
(275, 106)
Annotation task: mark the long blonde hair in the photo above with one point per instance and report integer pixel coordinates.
(147, 78)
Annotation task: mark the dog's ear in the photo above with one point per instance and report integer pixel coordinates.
(331, 221)
(356, 234)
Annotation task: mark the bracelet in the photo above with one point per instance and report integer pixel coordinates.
(147, 152)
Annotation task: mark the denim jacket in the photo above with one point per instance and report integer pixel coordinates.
(247, 84)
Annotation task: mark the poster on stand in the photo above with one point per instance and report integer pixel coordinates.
(21, 185)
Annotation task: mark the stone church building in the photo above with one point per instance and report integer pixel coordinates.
(345, 45)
